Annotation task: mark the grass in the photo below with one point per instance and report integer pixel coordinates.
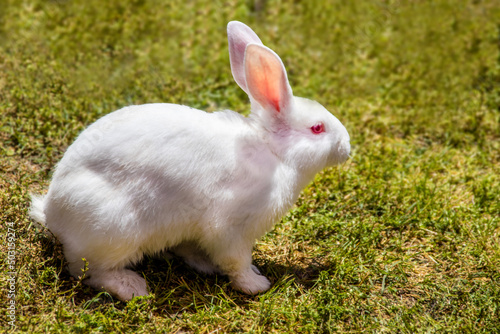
(404, 237)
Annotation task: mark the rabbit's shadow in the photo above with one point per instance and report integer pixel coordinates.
(176, 287)
(179, 288)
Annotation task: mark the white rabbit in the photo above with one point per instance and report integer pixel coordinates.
(202, 185)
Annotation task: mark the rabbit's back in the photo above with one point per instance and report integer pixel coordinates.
(144, 134)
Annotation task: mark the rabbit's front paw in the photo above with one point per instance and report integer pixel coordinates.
(250, 282)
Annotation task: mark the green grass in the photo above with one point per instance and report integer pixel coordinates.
(404, 237)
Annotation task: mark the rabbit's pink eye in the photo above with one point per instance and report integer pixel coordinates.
(318, 128)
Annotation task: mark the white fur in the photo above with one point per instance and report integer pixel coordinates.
(204, 185)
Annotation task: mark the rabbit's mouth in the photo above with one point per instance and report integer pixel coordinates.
(341, 153)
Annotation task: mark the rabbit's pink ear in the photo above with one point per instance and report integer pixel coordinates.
(239, 36)
(266, 78)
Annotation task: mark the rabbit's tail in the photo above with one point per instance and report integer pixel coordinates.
(36, 210)
(37, 214)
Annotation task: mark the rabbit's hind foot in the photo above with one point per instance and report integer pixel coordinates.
(125, 284)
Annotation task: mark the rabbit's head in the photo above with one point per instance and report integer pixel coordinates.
(300, 131)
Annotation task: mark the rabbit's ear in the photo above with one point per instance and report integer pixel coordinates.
(266, 78)
(239, 36)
